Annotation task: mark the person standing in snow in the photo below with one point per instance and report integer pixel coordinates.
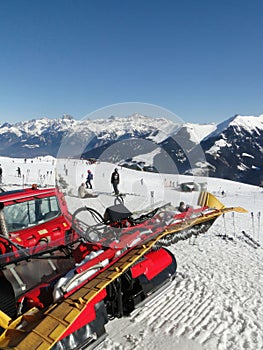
(18, 172)
(115, 180)
(1, 174)
(88, 180)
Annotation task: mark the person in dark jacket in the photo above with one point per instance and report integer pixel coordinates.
(182, 207)
(115, 180)
(18, 172)
(88, 180)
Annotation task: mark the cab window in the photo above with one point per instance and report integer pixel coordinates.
(31, 213)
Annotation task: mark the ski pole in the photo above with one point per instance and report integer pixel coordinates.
(233, 216)
(259, 226)
(253, 223)
(224, 224)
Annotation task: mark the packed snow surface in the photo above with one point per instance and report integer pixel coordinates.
(216, 299)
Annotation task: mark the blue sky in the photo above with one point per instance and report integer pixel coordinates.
(202, 60)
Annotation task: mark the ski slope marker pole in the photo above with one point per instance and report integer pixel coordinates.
(253, 223)
(233, 216)
(224, 224)
(259, 226)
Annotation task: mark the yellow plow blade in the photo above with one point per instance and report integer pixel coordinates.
(236, 209)
(206, 199)
(4, 320)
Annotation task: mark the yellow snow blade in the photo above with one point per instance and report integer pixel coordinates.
(236, 209)
(4, 320)
(206, 199)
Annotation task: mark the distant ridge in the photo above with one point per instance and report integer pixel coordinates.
(232, 149)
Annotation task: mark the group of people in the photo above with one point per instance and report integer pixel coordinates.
(82, 190)
(1, 173)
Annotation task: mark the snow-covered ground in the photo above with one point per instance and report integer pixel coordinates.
(216, 300)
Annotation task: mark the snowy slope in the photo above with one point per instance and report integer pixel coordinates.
(216, 300)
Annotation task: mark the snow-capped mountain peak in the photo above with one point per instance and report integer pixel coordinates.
(233, 149)
(239, 122)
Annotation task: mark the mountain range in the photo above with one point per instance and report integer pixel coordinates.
(232, 149)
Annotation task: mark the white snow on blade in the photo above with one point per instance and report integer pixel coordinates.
(216, 299)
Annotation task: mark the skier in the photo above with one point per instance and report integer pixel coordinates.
(18, 172)
(115, 180)
(88, 180)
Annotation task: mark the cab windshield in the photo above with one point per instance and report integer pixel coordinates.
(31, 213)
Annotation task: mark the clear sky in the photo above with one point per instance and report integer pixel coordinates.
(201, 59)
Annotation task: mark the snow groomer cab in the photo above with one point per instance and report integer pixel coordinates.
(31, 217)
(34, 224)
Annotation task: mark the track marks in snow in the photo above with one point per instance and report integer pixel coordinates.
(235, 282)
(215, 302)
(186, 312)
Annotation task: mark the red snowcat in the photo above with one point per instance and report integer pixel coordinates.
(62, 280)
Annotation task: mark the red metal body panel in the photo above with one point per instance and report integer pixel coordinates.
(153, 263)
(87, 315)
